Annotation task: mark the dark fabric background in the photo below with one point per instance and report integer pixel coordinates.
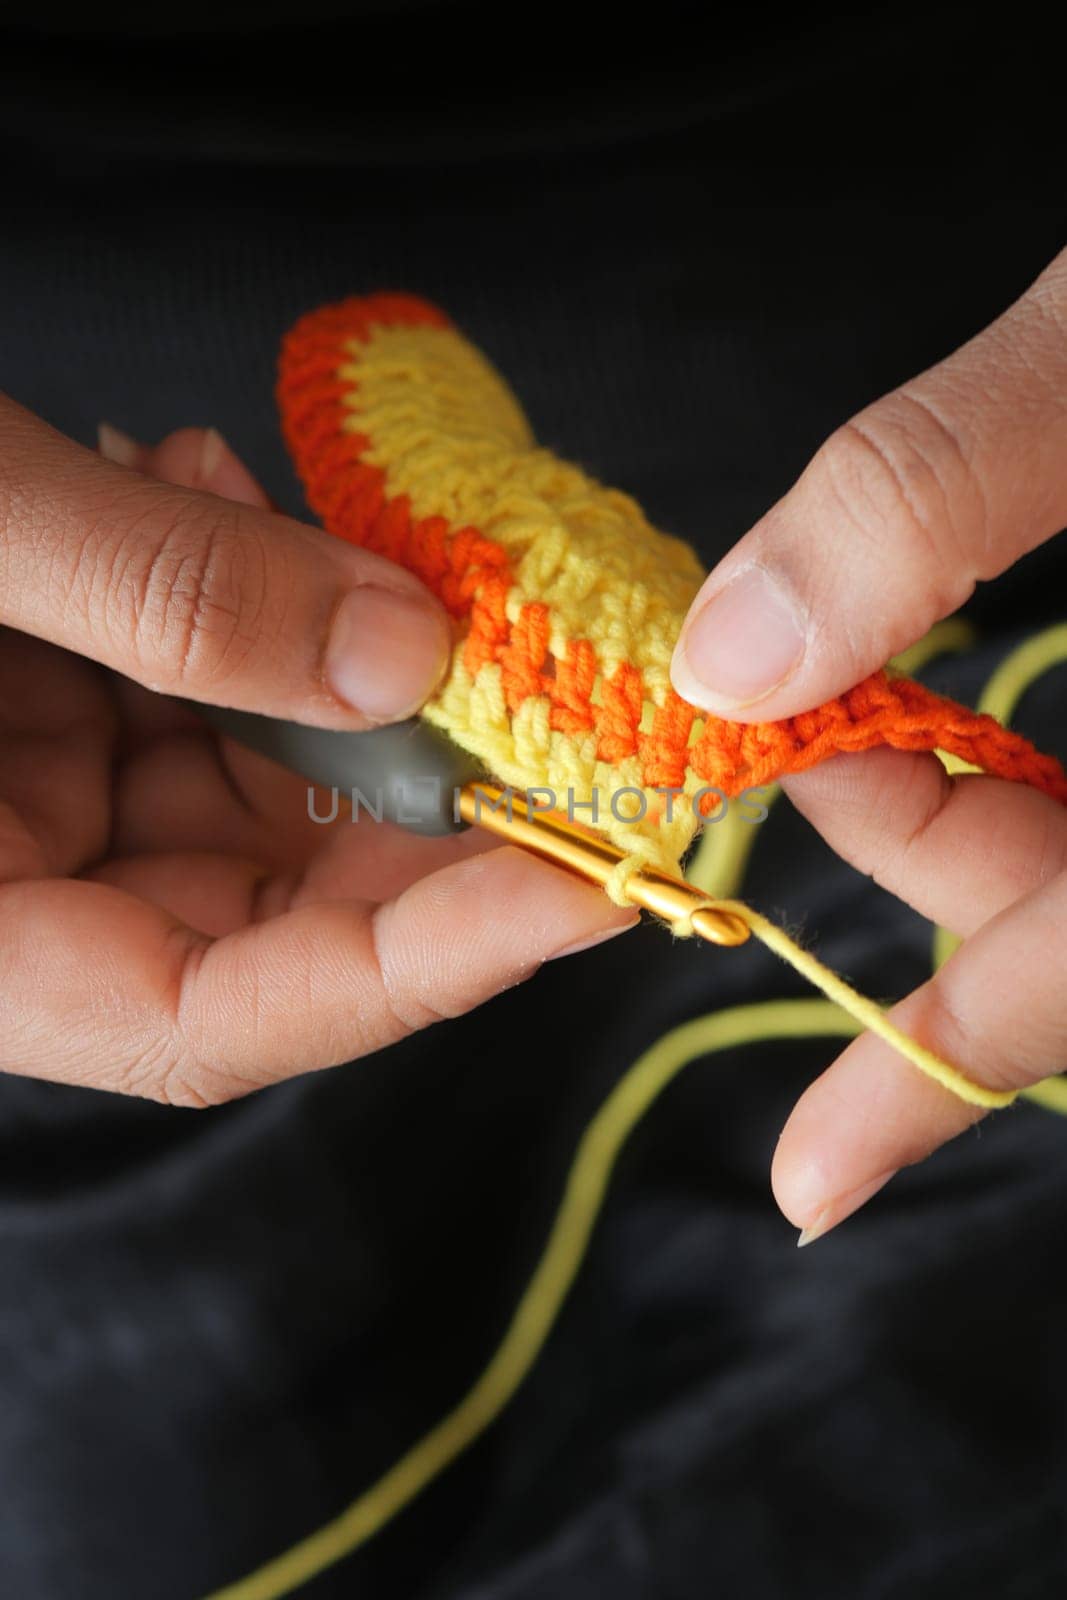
(694, 244)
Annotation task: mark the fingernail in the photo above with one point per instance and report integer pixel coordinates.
(212, 449)
(747, 640)
(809, 1235)
(224, 473)
(387, 652)
(595, 939)
(117, 446)
(843, 1206)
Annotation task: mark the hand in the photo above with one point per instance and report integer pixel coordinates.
(943, 483)
(172, 923)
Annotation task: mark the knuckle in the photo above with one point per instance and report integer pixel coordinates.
(146, 1072)
(1047, 298)
(179, 1067)
(9, 495)
(957, 1040)
(169, 1074)
(902, 471)
(187, 1086)
(405, 1007)
(197, 589)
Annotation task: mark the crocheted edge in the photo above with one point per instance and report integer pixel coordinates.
(471, 575)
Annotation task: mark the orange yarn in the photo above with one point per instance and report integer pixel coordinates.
(471, 575)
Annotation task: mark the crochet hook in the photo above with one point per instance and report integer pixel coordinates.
(551, 836)
(417, 774)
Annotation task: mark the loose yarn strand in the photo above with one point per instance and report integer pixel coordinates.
(843, 1014)
(583, 1197)
(566, 605)
(868, 1013)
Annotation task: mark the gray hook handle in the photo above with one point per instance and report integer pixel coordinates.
(406, 773)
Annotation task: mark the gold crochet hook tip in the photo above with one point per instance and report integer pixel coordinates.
(551, 836)
(717, 926)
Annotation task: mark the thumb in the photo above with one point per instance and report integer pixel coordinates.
(191, 594)
(944, 482)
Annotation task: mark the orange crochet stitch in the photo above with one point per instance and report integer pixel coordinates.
(410, 445)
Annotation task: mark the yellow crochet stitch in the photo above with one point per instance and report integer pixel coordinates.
(449, 436)
(567, 602)
(586, 1186)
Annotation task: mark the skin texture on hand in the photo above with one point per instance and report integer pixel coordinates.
(173, 923)
(940, 485)
(195, 594)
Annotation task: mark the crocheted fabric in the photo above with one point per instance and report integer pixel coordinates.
(567, 603)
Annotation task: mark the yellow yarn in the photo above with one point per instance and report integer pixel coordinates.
(1015, 674)
(586, 1187)
(449, 435)
(720, 874)
(867, 1012)
(454, 445)
(1022, 668)
(553, 1277)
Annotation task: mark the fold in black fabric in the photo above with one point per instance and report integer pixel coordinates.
(692, 257)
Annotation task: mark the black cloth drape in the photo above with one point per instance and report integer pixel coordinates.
(694, 244)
